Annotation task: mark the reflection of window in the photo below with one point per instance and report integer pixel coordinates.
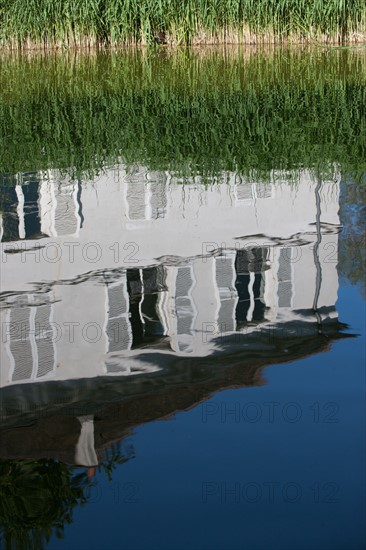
(245, 193)
(284, 278)
(119, 331)
(133, 315)
(67, 220)
(158, 196)
(154, 279)
(20, 205)
(263, 191)
(143, 288)
(154, 282)
(118, 327)
(20, 344)
(31, 341)
(250, 264)
(135, 293)
(44, 337)
(136, 195)
(30, 198)
(44, 208)
(60, 207)
(184, 308)
(10, 223)
(225, 281)
(137, 201)
(146, 195)
(158, 200)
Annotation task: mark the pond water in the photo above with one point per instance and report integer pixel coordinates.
(183, 299)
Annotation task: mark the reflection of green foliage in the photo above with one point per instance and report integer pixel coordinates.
(114, 457)
(352, 242)
(37, 498)
(186, 112)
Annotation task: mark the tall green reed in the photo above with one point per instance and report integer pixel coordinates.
(78, 23)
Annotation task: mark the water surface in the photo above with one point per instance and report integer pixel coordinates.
(182, 299)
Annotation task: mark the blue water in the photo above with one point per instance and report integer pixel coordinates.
(220, 401)
(284, 471)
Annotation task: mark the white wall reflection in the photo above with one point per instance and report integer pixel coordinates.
(97, 273)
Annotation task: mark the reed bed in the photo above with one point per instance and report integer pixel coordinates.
(110, 23)
(184, 112)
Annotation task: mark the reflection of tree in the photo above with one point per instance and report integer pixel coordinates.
(352, 242)
(36, 499)
(113, 457)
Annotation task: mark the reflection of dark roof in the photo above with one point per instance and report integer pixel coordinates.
(39, 420)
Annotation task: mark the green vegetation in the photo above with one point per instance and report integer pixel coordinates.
(75, 23)
(186, 112)
(352, 239)
(38, 497)
(37, 500)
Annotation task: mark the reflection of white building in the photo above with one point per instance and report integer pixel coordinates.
(59, 208)
(145, 264)
(29, 342)
(43, 206)
(145, 195)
